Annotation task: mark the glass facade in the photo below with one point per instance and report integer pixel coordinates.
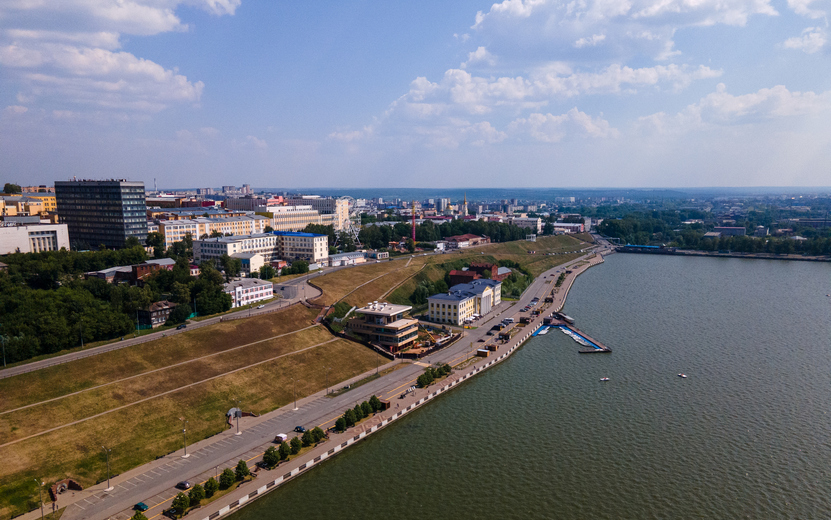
(102, 212)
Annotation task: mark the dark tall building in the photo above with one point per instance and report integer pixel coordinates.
(102, 212)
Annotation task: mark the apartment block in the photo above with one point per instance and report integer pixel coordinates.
(176, 230)
(102, 212)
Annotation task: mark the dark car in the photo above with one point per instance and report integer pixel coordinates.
(182, 326)
(171, 513)
(481, 340)
(300, 429)
(183, 485)
(490, 333)
(141, 506)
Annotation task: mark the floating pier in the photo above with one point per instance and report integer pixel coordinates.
(592, 345)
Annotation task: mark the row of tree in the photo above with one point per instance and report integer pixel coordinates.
(431, 374)
(379, 237)
(353, 416)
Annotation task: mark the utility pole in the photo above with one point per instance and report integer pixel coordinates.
(327, 379)
(237, 413)
(184, 436)
(107, 452)
(40, 490)
(293, 380)
(81, 330)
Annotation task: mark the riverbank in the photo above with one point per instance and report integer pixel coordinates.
(269, 480)
(720, 254)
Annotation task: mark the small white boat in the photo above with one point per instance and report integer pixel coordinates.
(604, 378)
(543, 332)
(682, 375)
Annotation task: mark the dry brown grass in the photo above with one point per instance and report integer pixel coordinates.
(142, 432)
(375, 290)
(338, 284)
(78, 375)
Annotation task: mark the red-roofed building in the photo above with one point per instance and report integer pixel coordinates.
(457, 277)
(466, 240)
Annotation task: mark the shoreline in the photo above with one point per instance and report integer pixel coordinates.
(259, 487)
(716, 254)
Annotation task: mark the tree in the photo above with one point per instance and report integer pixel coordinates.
(197, 494)
(227, 478)
(132, 242)
(10, 188)
(340, 424)
(284, 451)
(350, 418)
(486, 274)
(410, 245)
(181, 503)
(366, 408)
(308, 438)
(296, 445)
(241, 470)
(318, 434)
(179, 314)
(138, 516)
(268, 229)
(211, 487)
(376, 403)
(267, 272)
(155, 240)
(180, 292)
(271, 457)
(359, 413)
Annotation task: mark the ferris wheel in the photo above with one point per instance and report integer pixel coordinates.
(353, 222)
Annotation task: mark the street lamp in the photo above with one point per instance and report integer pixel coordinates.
(293, 380)
(184, 436)
(40, 490)
(237, 413)
(107, 452)
(327, 379)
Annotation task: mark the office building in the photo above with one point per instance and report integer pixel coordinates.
(33, 238)
(303, 246)
(339, 208)
(279, 245)
(102, 212)
(198, 228)
(465, 301)
(249, 291)
(384, 324)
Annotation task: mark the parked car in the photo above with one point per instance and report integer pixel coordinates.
(260, 306)
(141, 506)
(182, 326)
(300, 429)
(171, 513)
(481, 340)
(183, 485)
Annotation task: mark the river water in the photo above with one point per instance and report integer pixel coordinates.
(745, 435)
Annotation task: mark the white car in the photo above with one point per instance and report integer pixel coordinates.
(260, 306)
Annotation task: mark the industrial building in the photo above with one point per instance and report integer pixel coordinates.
(102, 212)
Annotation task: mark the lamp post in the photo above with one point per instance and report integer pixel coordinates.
(184, 436)
(327, 379)
(40, 491)
(293, 380)
(107, 452)
(237, 413)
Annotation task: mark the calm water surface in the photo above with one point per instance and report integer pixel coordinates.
(746, 435)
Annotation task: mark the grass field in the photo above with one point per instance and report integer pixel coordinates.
(338, 284)
(144, 430)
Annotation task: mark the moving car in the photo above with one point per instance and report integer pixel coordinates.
(260, 306)
(300, 429)
(141, 506)
(183, 485)
(182, 326)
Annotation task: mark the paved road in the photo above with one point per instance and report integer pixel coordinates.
(154, 483)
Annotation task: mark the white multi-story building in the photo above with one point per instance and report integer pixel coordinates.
(248, 291)
(339, 208)
(279, 245)
(176, 230)
(568, 227)
(535, 224)
(462, 301)
(33, 238)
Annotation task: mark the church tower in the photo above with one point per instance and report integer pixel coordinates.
(464, 206)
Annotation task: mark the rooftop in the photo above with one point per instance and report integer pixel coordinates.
(295, 234)
(383, 309)
(246, 283)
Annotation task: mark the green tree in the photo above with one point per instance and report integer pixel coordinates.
(138, 515)
(376, 403)
(241, 470)
(296, 445)
(197, 494)
(268, 229)
(318, 434)
(366, 408)
(227, 478)
(308, 439)
(410, 245)
(271, 457)
(211, 487)
(359, 413)
(181, 503)
(267, 272)
(180, 292)
(350, 418)
(486, 274)
(10, 188)
(155, 240)
(179, 314)
(284, 451)
(340, 424)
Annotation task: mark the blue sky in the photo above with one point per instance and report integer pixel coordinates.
(583, 93)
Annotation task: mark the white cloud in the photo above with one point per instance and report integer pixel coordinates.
(257, 143)
(592, 41)
(803, 8)
(353, 135)
(549, 128)
(480, 55)
(812, 40)
(15, 109)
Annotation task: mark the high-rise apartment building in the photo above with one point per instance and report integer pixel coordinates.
(102, 212)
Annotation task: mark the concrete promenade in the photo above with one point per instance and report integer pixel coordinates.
(153, 483)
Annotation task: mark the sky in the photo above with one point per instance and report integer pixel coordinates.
(429, 94)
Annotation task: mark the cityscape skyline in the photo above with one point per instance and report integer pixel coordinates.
(473, 93)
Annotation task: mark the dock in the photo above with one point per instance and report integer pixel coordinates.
(592, 345)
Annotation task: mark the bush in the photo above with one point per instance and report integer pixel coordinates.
(227, 478)
(271, 457)
(340, 424)
(284, 451)
(318, 434)
(211, 487)
(242, 470)
(296, 445)
(367, 408)
(197, 494)
(308, 439)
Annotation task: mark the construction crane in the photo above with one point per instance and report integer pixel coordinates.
(413, 212)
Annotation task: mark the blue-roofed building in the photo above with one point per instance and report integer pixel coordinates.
(298, 245)
(465, 301)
